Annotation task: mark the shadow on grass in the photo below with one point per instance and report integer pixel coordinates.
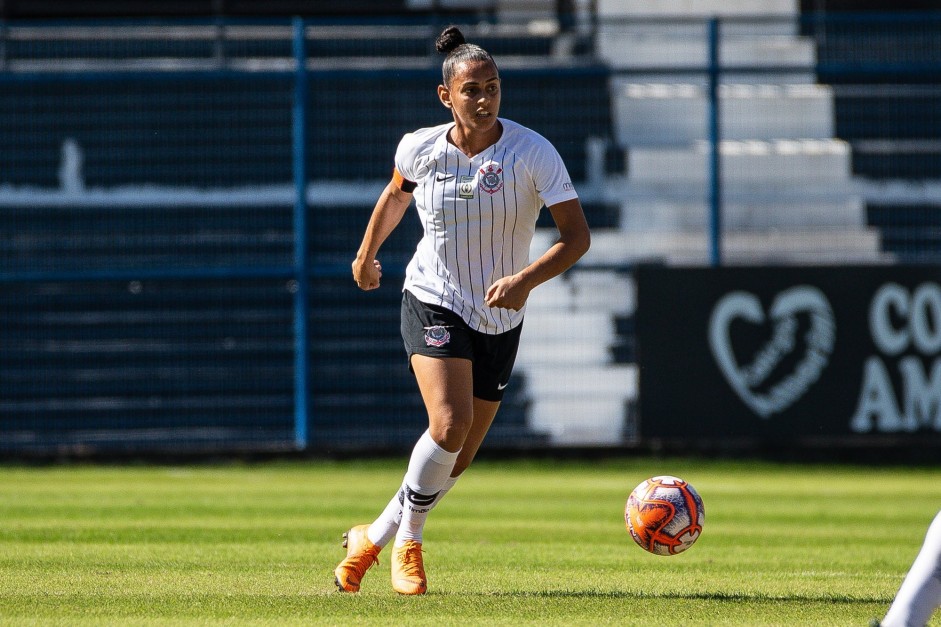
(736, 597)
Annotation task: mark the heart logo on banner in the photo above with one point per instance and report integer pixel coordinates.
(814, 352)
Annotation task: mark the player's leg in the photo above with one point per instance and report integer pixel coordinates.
(364, 542)
(384, 528)
(491, 371)
(494, 357)
(446, 386)
(920, 593)
(431, 332)
(484, 413)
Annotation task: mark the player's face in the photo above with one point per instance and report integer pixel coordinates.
(474, 95)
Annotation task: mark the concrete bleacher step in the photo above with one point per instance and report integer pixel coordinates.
(658, 114)
(765, 165)
(568, 353)
(615, 380)
(525, 10)
(572, 321)
(792, 58)
(579, 422)
(583, 325)
(821, 245)
(592, 290)
(587, 406)
(568, 339)
(701, 8)
(659, 215)
(666, 35)
(577, 394)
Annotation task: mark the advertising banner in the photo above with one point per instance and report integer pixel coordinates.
(780, 353)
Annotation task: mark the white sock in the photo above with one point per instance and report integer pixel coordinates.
(448, 484)
(383, 529)
(920, 593)
(428, 470)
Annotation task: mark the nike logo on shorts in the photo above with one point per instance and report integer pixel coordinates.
(501, 386)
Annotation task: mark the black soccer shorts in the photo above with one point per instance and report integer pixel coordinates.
(437, 331)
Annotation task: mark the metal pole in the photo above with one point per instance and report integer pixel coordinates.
(3, 39)
(218, 9)
(715, 173)
(299, 148)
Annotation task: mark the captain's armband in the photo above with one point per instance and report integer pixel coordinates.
(403, 183)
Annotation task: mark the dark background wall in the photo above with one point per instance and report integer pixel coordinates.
(195, 8)
(12, 9)
(856, 6)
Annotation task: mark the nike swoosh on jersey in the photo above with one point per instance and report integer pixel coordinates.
(444, 177)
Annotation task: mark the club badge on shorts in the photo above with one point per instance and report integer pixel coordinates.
(437, 335)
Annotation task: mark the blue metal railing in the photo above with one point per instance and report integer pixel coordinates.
(301, 252)
(715, 171)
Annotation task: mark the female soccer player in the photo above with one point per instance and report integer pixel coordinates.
(479, 183)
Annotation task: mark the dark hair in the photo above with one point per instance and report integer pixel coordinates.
(451, 42)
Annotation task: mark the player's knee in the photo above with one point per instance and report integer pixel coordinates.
(450, 434)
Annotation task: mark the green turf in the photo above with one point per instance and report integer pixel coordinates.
(514, 543)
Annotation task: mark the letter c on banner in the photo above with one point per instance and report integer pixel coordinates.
(888, 339)
(926, 318)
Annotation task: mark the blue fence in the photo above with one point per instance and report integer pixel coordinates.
(180, 202)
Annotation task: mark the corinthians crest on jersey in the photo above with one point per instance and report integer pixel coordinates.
(491, 177)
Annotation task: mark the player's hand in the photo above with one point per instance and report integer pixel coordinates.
(367, 275)
(507, 293)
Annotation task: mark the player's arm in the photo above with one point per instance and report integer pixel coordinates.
(388, 212)
(574, 240)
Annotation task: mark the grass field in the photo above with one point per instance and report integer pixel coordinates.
(515, 542)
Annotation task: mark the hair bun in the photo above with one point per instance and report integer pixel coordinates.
(449, 39)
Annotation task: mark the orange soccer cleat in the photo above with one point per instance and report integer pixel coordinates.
(408, 572)
(361, 554)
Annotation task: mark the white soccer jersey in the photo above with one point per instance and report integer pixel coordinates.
(479, 216)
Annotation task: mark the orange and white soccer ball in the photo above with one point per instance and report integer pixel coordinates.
(664, 515)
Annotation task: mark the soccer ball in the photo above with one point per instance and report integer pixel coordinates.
(664, 515)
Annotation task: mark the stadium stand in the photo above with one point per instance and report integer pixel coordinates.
(788, 193)
(783, 168)
(147, 243)
(159, 365)
(884, 70)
